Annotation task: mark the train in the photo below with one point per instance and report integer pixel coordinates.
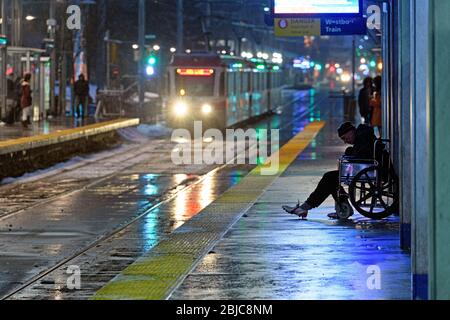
(221, 91)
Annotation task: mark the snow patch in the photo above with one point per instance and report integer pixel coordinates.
(153, 131)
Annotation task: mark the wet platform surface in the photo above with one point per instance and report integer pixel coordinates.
(140, 198)
(10, 132)
(269, 254)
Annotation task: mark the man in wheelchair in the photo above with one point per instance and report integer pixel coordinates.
(362, 140)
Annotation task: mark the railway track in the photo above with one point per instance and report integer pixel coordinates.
(166, 198)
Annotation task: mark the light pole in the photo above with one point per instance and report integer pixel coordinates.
(16, 16)
(52, 24)
(108, 60)
(141, 54)
(3, 53)
(4, 18)
(4, 89)
(180, 26)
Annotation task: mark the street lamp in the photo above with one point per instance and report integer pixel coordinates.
(30, 18)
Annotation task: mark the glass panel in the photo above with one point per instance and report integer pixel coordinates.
(195, 86)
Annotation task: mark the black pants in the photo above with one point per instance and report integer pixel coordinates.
(81, 106)
(328, 186)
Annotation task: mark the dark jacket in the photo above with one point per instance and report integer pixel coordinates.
(82, 88)
(364, 143)
(11, 93)
(364, 101)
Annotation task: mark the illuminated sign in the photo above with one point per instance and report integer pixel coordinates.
(291, 27)
(196, 72)
(296, 8)
(297, 27)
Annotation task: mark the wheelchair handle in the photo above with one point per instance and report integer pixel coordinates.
(382, 141)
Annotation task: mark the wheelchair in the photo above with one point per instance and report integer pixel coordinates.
(372, 186)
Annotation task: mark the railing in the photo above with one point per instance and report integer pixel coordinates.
(123, 102)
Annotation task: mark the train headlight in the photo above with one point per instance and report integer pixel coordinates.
(180, 109)
(207, 109)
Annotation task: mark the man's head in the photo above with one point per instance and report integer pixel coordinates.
(368, 82)
(81, 77)
(347, 132)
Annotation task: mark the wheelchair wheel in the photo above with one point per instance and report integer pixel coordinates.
(374, 193)
(344, 210)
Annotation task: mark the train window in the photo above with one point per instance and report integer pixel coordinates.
(256, 76)
(222, 84)
(246, 82)
(194, 85)
(231, 84)
(237, 83)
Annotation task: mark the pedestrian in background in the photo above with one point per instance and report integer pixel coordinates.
(18, 96)
(376, 106)
(10, 100)
(26, 101)
(365, 95)
(81, 89)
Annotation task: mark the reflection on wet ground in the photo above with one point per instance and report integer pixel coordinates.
(15, 131)
(147, 188)
(103, 207)
(271, 255)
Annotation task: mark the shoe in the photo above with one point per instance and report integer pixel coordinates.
(343, 211)
(333, 216)
(297, 210)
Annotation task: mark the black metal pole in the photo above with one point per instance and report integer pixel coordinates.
(142, 54)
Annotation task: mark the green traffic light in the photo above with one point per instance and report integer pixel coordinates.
(152, 61)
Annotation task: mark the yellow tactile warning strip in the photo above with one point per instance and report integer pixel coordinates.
(155, 275)
(43, 140)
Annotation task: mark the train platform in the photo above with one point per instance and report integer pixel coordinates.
(58, 126)
(136, 225)
(244, 247)
(48, 142)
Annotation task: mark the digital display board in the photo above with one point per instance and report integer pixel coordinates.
(316, 7)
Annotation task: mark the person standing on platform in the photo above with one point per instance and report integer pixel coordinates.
(18, 93)
(81, 96)
(376, 106)
(365, 95)
(26, 100)
(9, 116)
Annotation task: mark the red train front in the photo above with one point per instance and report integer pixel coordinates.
(220, 91)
